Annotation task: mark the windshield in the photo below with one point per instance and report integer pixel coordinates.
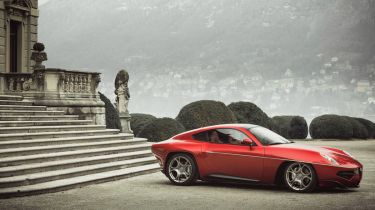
(267, 137)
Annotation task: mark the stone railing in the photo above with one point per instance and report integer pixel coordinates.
(74, 92)
(71, 82)
(51, 83)
(17, 82)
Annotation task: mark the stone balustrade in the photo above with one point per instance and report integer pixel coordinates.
(75, 83)
(74, 92)
(72, 82)
(17, 82)
(55, 83)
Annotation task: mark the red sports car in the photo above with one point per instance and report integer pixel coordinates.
(245, 152)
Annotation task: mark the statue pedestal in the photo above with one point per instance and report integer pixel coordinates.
(125, 123)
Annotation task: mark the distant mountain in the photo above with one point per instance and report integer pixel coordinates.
(209, 40)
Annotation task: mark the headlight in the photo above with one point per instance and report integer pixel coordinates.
(330, 159)
(348, 154)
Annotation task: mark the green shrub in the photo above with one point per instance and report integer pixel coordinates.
(359, 130)
(370, 126)
(291, 127)
(204, 113)
(247, 112)
(331, 127)
(161, 129)
(112, 119)
(138, 121)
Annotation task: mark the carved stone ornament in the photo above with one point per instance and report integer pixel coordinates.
(19, 8)
(19, 3)
(38, 55)
(39, 78)
(20, 82)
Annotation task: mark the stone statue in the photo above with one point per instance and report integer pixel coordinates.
(122, 91)
(122, 100)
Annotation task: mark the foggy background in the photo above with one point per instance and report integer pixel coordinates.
(301, 57)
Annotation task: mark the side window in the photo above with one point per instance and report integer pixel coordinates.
(202, 136)
(232, 136)
(226, 136)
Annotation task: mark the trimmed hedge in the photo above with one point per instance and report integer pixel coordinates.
(247, 112)
(359, 130)
(138, 121)
(291, 127)
(112, 119)
(370, 126)
(161, 129)
(204, 113)
(331, 127)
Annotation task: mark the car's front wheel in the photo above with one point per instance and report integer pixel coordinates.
(181, 169)
(300, 177)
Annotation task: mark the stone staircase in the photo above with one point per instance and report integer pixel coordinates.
(45, 151)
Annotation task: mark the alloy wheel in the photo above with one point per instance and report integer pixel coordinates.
(300, 177)
(180, 169)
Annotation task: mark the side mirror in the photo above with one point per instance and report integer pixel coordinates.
(248, 142)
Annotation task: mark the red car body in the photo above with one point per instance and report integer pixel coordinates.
(259, 163)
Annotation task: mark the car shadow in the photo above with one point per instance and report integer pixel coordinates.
(256, 186)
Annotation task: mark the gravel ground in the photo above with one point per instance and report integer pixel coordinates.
(153, 191)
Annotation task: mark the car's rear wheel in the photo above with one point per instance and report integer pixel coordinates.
(181, 169)
(300, 177)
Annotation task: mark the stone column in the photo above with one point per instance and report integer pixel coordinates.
(122, 100)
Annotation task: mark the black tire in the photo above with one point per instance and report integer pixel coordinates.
(304, 184)
(173, 174)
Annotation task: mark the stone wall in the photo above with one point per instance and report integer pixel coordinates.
(2, 37)
(26, 12)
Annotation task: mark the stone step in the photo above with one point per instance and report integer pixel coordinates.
(15, 102)
(38, 117)
(25, 159)
(45, 176)
(74, 162)
(11, 97)
(29, 113)
(69, 183)
(46, 129)
(64, 140)
(18, 170)
(44, 122)
(57, 134)
(21, 107)
(59, 148)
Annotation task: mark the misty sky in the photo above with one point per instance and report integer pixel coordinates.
(289, 57)
(41, 2)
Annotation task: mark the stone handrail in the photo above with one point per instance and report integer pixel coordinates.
(74, 92)
(51, 83)
(17, 82)
(72, 83)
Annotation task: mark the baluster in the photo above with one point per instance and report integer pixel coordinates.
(80, 83)
(67, 78)
(23, 80)
(11, 84)
(84, 78)
(63, 82)
(71, 84)
(75, 83)
(88, 85)
(18, 84)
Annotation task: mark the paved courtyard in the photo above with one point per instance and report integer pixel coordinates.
(153, 191)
